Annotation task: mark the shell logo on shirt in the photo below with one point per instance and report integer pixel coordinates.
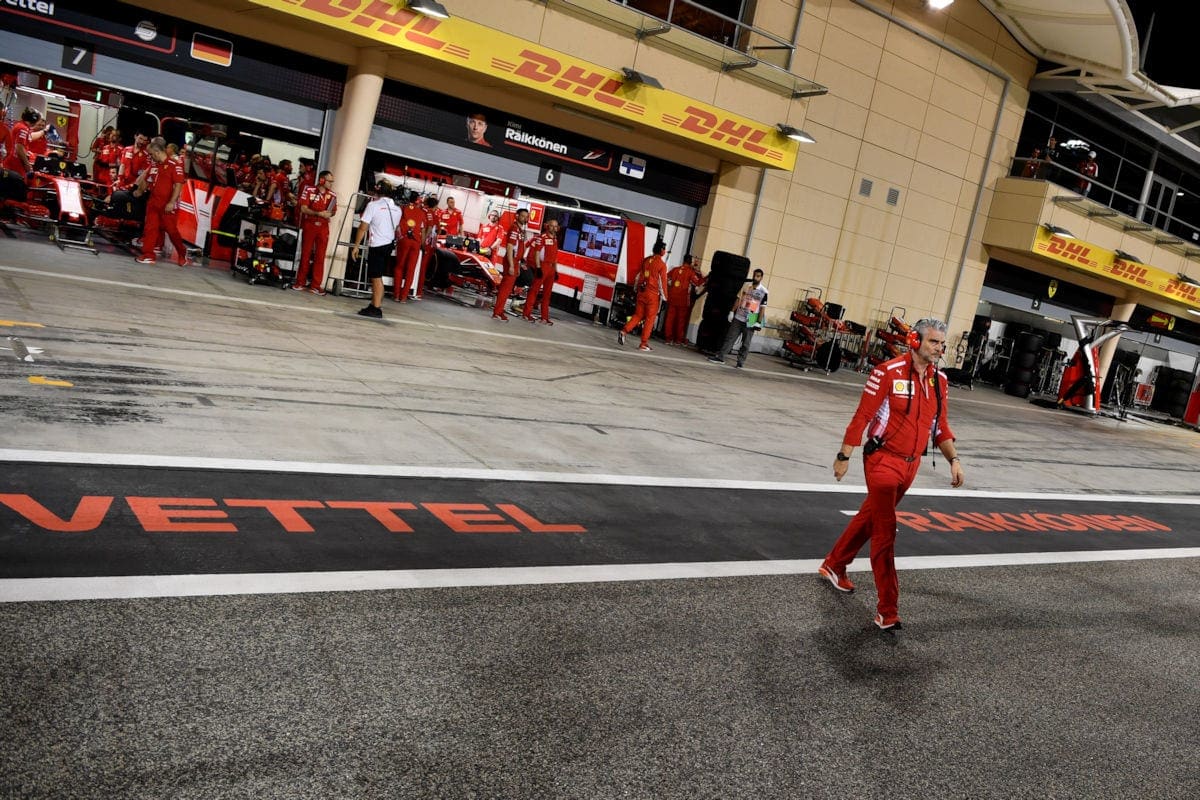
(901, 387)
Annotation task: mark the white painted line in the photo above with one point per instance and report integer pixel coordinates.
(24, 590)
(397, 471)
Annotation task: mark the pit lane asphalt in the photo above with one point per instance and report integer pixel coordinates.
(1071, 680)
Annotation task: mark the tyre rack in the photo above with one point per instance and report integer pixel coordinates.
(887, 338)
(818, 339)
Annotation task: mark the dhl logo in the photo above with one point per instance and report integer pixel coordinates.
(1071, 251)
(1184, 291)
(390, 19)
(1130, 272)
(732, 133)
(571, 80)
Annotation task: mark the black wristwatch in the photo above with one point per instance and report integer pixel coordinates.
(842, 456)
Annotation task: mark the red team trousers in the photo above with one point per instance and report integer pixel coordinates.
(506, 287)
(888, 478)
(158, 222)
(408, 254)
(675, 327)
(645, 313)
(545, 282)
(316, 240)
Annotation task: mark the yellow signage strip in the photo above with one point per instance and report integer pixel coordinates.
(564, 77)
(1105, 263)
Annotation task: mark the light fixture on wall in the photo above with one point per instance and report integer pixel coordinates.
(633, 76)
(938, 5)
(430, 8)
(1054, 230)
(1184, 278)
(796, 134)
(1121, 254)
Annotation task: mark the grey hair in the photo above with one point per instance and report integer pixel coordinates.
(923, 326)
(158, 143)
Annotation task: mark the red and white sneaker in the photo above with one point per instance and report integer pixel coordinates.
(840, 582)
(144, 260)
(889, 624)
(645, 348)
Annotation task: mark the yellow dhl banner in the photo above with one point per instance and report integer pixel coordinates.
(499, 55)
(1106, 263)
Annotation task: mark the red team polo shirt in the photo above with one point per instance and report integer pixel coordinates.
(133, 162)
(515, 243)
(161, 180)
(412, 221)
(317, 200)
(452, 221)
(20, 135)
(548, 245)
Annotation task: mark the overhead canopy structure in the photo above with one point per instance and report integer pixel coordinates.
(1095, 44)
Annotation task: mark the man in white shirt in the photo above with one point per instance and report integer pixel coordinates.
(378, 226)
(745, 318)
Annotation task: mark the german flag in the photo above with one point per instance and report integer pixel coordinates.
(212, 50)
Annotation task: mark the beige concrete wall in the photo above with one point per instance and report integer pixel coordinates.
(903, 113)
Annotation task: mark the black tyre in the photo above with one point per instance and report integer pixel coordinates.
(1026, 360)
(1017, 389)
(829, 356)
(1028, 343)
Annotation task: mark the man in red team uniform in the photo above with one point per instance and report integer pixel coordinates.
(450, 219)
(163, 182)
(409, 236)
(514, 252)
(651, 284)
(317, 206)
(491, 236)
(135, 159)
(545, 271)
(108, 154)
(681, 282)
(23, 148)
(429, 242)
(903, 404)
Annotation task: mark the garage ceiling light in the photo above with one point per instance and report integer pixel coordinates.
(1054, 230)
(796, 134)
(1188, 280)
(430, 8)
(938, 5)
(633, 76)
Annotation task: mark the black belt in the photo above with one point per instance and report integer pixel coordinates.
(910, 459)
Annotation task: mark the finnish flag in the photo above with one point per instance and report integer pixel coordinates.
(632, 166)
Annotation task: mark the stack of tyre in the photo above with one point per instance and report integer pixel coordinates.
(1022, 367)
(1172, 388)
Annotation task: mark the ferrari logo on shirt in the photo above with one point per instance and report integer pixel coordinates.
(902, 387)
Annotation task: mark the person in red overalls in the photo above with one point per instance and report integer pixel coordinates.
(545, 271)
(133, 162)
(514, 252)
(1090, 169)
(279, 196)
(903, 404)
(681, 282)
(651, 285)
(429, 242)
(318, 204)
(409, 235)
(22, 150)
(491, 236)
(450, 219)
(163, 181)
(108, 154)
